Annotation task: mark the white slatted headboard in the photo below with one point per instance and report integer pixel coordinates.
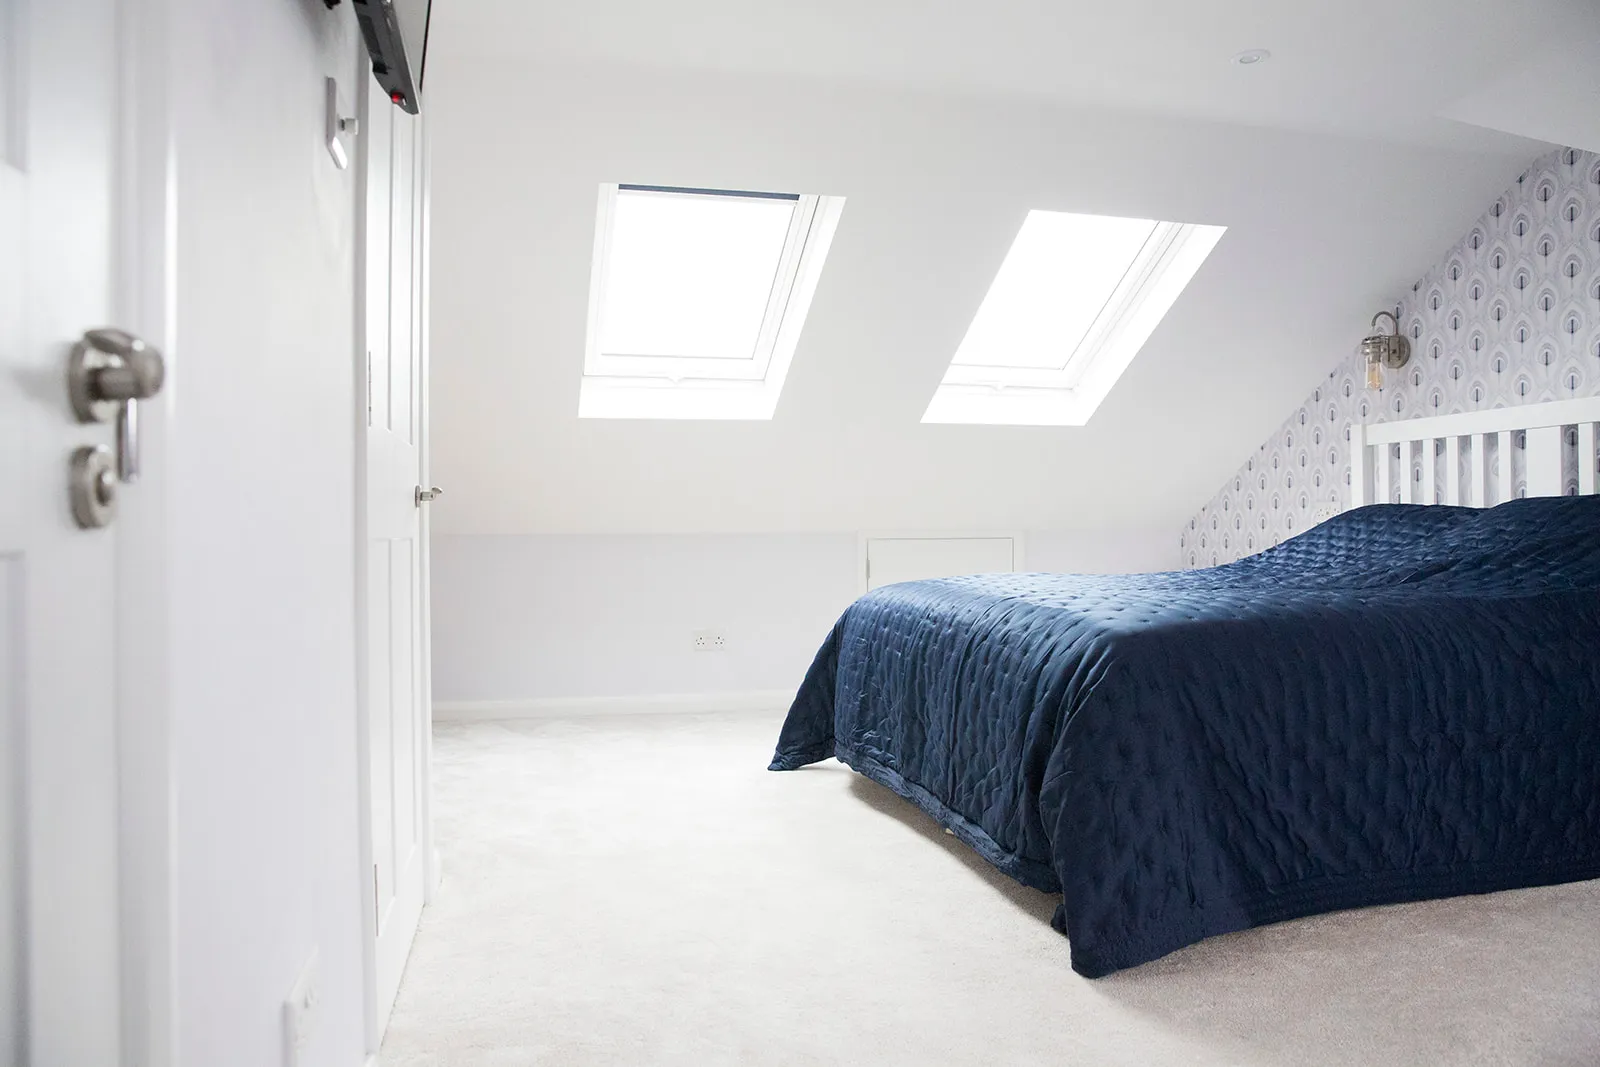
(1474, 459)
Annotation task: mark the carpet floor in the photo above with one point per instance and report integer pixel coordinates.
(641, 890)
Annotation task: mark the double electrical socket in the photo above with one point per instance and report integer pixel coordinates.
(710, 641)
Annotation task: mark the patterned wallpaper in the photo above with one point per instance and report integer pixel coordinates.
(1511, 315)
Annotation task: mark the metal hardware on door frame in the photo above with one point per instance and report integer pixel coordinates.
(427, 496)
(109, 372)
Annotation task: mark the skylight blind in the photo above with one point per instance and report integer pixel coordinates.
(1074, 300)
(697, 299)
(692, 275)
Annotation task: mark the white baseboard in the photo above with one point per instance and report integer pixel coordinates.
(755, 700)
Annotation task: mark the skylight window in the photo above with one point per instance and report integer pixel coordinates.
(697, 299)
(1076, 298)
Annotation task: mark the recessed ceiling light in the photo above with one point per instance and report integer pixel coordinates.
(1251, 57)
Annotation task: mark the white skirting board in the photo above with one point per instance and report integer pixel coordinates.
(769, 701)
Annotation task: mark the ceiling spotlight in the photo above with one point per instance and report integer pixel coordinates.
(1250, 57)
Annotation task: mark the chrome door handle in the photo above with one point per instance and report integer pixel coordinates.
(426, 496)
(109, 372)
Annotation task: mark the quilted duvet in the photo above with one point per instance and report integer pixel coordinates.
(1401, 703)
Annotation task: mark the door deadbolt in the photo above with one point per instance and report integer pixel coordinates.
(109, 373)
(94, 487)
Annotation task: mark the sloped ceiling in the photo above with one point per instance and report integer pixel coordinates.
(1364, 67)
(1554, 95)
(1324, 228)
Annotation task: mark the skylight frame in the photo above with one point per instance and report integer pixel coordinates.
(1068, 396)
(621, 385)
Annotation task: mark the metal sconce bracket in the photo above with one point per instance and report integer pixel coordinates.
(1380, 350)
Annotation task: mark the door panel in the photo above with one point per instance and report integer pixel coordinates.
(394, 724)
(380, 699)
(402, 296)
(59, 977)
(403, 670)
(13, 464)
(396, 709)
(11, 857)
(377, 137)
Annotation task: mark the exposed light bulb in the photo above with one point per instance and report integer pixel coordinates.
(1374, 374)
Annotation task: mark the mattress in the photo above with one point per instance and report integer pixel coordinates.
(1401, 703)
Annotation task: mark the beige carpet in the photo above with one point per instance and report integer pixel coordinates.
(640, 890)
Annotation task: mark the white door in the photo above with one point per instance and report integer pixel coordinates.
(58, 874)
(909, 559)
(396, 706)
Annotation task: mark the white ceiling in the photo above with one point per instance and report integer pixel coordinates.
(1322, 230)
(1380, 68)
(1553, 95)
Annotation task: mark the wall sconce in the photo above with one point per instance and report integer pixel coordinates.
(1382, 350)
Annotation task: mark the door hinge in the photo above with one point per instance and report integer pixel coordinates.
(376, 910)
(369, 387)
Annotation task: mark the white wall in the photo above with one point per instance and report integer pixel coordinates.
(1483, 336)
(936, 187)
(612, 540)
(263, 396)
(545, 616)
(522, 617)
(1122, 551)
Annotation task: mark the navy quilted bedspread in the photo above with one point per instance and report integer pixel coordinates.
(1401, 703)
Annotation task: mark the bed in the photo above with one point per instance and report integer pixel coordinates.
(1401, 703)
